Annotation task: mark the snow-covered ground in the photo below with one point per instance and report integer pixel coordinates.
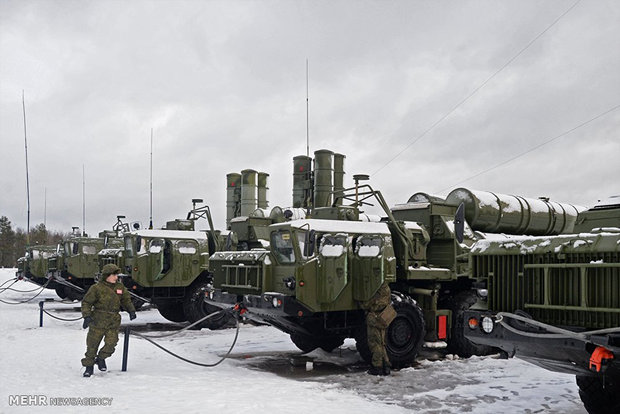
(265, 374)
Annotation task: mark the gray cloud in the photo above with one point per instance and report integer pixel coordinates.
(223, 86)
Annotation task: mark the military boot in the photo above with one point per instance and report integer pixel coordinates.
(101, 364)
(89, 371)
(375, 370)
(386, 368)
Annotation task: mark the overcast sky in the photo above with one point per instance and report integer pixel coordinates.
(223, 85)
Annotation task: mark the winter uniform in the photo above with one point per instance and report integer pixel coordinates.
(376, 328)
(100, 308)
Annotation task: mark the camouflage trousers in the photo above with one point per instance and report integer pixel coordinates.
(107, 329)
(376, 341)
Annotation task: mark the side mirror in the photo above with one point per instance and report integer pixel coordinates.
(459, 223)
(309, 242)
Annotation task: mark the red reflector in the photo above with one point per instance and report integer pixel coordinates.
(69, 278)
(134, 287)
(135, 269)
(232, 184)
(301, 168)
(300, 313)
(301, 283)
(442, 327)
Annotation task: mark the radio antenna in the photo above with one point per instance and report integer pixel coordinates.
(27, 177)
(151, 185)
(83, 202)
(307, 115)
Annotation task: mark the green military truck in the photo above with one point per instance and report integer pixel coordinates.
(34, 265)
(311, 279)
(555, 302)
(169, 267)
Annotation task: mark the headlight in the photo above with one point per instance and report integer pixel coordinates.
(487, 324)
(276, 302)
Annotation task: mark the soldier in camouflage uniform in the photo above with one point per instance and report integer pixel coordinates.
(100, 308)
(376, 329)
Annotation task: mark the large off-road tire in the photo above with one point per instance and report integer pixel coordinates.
(60, 291)
(600, 395)
(137, 303)
(308, 343)
(305, 343)
(404, 337)
(73, 294)
(172, 311)
(458, 344)
(196, 308)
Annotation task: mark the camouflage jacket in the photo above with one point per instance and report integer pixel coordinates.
(379, 300)
(106, 297)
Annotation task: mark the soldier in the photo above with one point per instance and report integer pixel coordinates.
(100, 308)
(379, 314)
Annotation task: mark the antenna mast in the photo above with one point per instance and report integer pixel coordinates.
(45, 210)
(307, 116)
(83, 202)
(151, 185)
(27, 177)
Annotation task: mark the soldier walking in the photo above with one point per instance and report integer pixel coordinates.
(100, 308)
(379, 315)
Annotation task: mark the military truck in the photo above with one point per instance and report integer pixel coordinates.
(169, 267)
(34, 265)
(317, 270)
(75, 265)
(555, 302)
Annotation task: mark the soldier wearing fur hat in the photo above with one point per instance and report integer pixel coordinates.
(100, 308)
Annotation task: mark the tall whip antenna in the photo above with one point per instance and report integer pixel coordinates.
(307, 116)
(27, 177)
(45, 210)
(83, 202)
(151, 184)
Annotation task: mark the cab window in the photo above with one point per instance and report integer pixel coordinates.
(368, 246)
(282, 246)
(86, 249)
(332, 246)
(186, 247)
(128, 247)
(156, 246)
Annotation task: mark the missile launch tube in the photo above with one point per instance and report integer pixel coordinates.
(500, 213)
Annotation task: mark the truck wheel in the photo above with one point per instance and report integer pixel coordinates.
(137, 303)
(329, 343)
(458, 344)
(304, 342)
(73, 294)
(600, 395)
(196, 308)
(404, 337)
(60, 291)
(172, 311)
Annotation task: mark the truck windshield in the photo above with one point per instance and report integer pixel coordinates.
(128, 247)
(282, 246)
(368, 246)
(332, 246)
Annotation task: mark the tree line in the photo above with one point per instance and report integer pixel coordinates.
(13, 241)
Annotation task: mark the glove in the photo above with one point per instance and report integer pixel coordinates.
(87, 321)
(132, 316)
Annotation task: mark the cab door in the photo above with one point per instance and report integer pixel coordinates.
(332, 269)
(368, 266)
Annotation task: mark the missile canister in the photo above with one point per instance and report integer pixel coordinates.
(499, 213)
(248, 192)
(323, 178)
(233, 197)
(338, 177)
(302, 181)
(262, 190)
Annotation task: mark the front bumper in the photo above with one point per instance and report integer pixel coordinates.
(552, 352)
